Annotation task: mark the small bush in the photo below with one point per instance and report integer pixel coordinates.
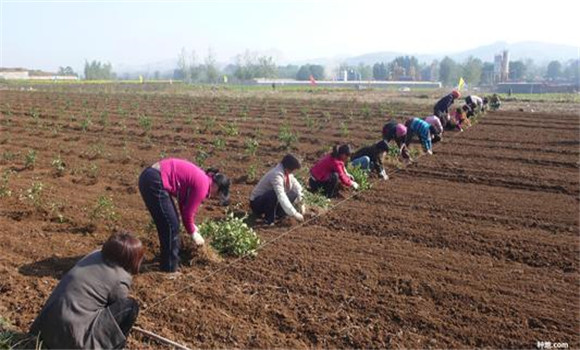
(361, 177)
(344, 130)
(30, 159)
(219, 143)
(286, 136)
(231, 237)
(34, 194)
(316, 199)
(252, 146)
(145, 122)
(4, 189)
(231, 129)
(58, 166)
(105, 210)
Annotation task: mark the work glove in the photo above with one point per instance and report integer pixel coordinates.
(299, 217)
(197, 238)
(354, 185)
(384, 175)
(302, 208)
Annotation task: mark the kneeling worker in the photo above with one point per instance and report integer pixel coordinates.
(276, 192)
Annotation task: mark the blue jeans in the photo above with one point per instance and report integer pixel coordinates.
(162, 209)
(363, 162)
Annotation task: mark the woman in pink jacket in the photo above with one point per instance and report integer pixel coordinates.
(329, 170)
(191, 186)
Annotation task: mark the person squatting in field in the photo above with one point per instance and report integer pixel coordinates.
(476, 103)
(277, 191)
(330, 171)
(460, 119)
(191, 186)
(394, 131)
(90, 307)
(494, 102)
(441, 108)
(422, 129)
(371, 158)
(435, 128)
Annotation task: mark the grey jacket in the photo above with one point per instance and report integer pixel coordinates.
(274, 180)
(76, 314)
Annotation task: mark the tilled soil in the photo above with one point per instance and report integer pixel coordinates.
(476, 246)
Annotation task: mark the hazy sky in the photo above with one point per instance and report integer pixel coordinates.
(49, 34)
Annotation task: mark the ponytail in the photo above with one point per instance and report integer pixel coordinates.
(223, 184)
(339, 150)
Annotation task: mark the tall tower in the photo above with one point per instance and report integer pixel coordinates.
(497, 66)
(505, 65)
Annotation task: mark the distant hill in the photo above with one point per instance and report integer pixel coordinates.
(539, 52)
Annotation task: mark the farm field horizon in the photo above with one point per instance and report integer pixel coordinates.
(475, 246)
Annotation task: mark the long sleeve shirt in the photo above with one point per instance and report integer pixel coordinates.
(187, 182)
(371, 152)
(442, 106)
(327, 165)
(390, 133)
(276, 179)
(474, 101)
(421, 128)
(75, 315)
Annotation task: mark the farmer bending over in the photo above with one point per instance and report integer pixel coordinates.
(476, 103)
(421, 128)
(191, 186)
(435, 127)
(442, 106)
(397, 132)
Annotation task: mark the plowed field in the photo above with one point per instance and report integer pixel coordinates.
(475, 246)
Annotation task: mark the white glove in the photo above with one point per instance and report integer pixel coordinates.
(354, 185)
(197, 238)
(350, 177)
(302, 208)
(299, 217)
(429, 152)
(384, 175)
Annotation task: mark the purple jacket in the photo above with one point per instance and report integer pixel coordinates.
(187, 182)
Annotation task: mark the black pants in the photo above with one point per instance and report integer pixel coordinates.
(435, 134)
(442, 117)
(125, 313)
(268, 205)
(165, 216)
(330, 186)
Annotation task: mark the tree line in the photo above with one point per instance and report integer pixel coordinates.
(250, 65)
(407, 68)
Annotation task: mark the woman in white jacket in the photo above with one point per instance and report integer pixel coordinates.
(277, 191)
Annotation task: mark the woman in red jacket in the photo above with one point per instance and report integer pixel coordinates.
(329, 170)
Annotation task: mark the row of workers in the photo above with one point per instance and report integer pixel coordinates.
(91, 307)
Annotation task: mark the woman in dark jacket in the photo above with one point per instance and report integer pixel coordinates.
(90, 307)
(371, 158)
(397, 132)
(442, 106)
